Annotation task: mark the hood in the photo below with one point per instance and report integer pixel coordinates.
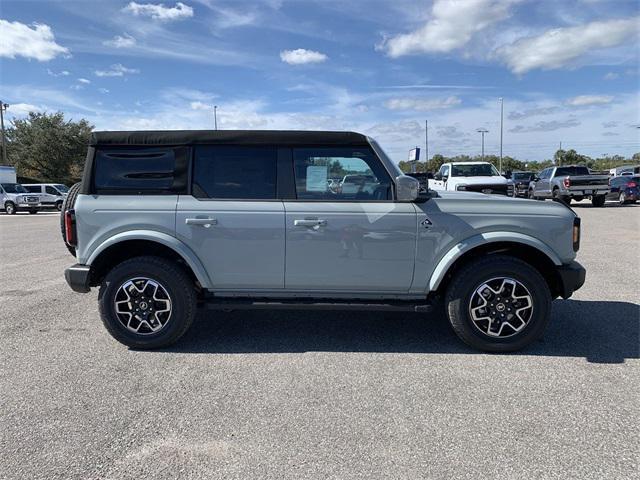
(489, 180)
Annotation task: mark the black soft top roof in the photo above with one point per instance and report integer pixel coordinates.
(245, 137)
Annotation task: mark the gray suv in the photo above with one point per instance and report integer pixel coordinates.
(166, 222)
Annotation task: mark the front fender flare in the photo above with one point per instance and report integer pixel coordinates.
(167, 240)
(470, 243)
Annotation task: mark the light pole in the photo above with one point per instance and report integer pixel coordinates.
(482, 131)
(3, 108)
(426, 143)
(501, 125)
(215, 117)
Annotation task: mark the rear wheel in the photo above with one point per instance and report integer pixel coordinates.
(69, 204)
(10, 208)
(622, 198)
(498, 304)
(598, 200)
(578, 198)
(147, 302)
(59, 206)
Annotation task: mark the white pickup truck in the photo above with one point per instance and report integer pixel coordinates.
(480, 177)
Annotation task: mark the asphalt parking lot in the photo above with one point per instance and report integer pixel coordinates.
(317, 395)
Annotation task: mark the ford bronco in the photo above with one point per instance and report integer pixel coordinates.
(166, 222)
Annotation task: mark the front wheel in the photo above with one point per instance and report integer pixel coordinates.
(10, 208)
(498, 304)
(147, 302)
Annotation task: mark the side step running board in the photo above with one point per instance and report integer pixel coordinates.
(213, 303)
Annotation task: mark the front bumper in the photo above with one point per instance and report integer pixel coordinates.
(572, 277)
(77, 276)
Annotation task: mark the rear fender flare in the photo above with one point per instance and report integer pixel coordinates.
(167, 240)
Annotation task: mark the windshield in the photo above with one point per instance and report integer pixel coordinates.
(474, 170)
(522, 176)
(14, 188)
(61, 188)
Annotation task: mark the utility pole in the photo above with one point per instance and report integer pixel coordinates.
(215, 117)
(482, 131)
(560, 157)
(501, 125)
(426, 144)
(3, 108)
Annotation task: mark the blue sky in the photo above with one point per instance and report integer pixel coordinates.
(568, 70)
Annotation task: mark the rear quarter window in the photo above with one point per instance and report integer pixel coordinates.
(146, 170)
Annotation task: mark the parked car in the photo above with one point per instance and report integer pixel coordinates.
(52, 195)
(520, 183)
(572, 182)
(166, 221)
(624, 189)
(471, 177)
(15, 198)
(625, 170)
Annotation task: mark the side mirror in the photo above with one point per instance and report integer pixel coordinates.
(535, 179)
(407, 188)
(445, 178)
(437, 176)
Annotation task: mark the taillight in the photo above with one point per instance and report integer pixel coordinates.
(576, 234)
(632, 184)
(69, 227)
(566, 182)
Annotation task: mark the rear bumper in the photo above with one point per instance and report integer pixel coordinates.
(77, 276)
(572, 277)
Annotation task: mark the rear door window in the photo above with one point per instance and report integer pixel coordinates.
(234, 172)
(141, 170)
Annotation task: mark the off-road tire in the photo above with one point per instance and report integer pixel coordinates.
(471, 276)
(598, 200)
(173, 279)
(68, 204)
(10, 208)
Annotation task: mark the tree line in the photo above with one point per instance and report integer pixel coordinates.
(45, 147)
(561, 157)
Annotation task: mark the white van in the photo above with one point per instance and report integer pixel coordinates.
(51, 195)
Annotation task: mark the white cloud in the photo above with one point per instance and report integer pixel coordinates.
(117, 70)
(451, 26)
(38, 42)
(22, 109)
(558, 47)
(421, 104)
(103, 90)
(301, 56)
(611, 76)
(63, 73)
(84, 80)
(198, 105)
(586, 100)
(159, 11)
(120, 41)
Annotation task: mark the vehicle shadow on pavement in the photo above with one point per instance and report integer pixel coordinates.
(601, 332)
